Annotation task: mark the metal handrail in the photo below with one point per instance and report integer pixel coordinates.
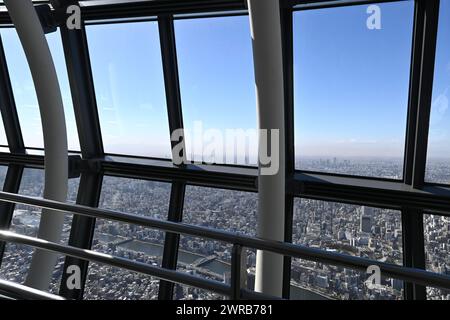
(413, 275)
(15, 290)
(161, 273)
(158, 272)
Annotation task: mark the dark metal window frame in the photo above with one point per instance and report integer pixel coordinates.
(412, 195)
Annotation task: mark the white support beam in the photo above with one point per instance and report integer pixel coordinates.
(39, 58)
(267, 55)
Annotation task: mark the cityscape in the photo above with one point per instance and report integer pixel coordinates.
(373, 233)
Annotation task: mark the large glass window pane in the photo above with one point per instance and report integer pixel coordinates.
(17, 258)
(233, 211)
(25, 94)
(129, 85)
(217, 89)
(351, 89)
(230, 210)
(147, 198)
(437, 247)
(349, 229)
(317, 281)
(438, 161)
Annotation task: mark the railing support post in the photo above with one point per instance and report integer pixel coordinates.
(236, 272)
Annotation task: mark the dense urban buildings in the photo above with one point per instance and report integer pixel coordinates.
(363, 231)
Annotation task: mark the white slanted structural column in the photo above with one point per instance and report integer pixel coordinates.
(32, 37)
(267, 55)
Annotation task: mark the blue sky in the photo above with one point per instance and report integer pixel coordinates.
(129, 86)
(439, 137)
(215, 63)
(351, 83)
(25, 95)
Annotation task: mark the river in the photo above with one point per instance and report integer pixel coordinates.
(216, 266)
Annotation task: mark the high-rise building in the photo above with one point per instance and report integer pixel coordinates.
(366, 219)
